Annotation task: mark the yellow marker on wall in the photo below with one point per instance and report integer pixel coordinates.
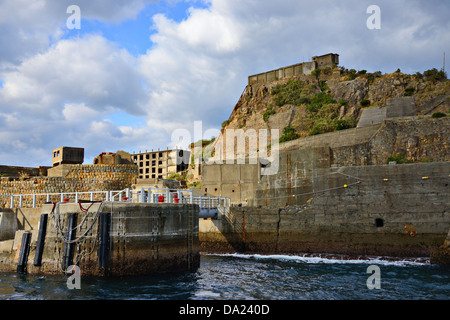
(345, 186)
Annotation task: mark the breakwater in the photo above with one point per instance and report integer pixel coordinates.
(106, 238)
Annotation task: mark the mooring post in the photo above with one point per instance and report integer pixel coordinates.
(24, 251)
(104, 224)
(41, 240)
(69, 245)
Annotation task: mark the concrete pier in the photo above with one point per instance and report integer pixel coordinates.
(110, 238)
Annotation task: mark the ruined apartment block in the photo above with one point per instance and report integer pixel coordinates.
(162, 163)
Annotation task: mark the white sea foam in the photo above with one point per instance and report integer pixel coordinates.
(207, 294)
(333, 259)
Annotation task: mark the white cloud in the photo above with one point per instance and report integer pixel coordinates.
(195, 69)
(87, 70)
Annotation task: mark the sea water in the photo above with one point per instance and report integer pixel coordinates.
(251, 277)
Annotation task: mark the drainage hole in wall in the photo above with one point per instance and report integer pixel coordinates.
(379, 222)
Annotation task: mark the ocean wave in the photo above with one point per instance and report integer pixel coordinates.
(333, 259)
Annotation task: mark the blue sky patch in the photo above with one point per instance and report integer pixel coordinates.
(134, 34)
(125, 119)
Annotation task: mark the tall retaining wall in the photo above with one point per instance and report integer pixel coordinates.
(390, 210)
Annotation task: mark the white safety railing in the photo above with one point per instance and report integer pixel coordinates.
(155, 195)
(149, 195)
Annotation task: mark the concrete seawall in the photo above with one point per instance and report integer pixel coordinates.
(109, 239)
(389, 210)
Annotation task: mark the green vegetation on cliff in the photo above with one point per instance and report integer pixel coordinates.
(333, 99)
(322, 109)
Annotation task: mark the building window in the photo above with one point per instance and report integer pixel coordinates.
(180, 153)
(160, 170)
(147, 163)
(160, 154)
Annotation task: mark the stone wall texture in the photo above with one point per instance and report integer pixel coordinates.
(80, 178)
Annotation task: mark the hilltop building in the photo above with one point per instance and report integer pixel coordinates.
(304, 68)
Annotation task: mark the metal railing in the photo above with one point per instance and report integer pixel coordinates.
(143, 195)
(155, 195)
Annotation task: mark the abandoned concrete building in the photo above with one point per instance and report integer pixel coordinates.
(67, 155)
(304, 68)
(114, 158)
(161, 163)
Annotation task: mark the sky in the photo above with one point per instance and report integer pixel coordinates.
(132, 72)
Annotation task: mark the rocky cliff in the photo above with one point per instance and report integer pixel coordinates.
(332, 99)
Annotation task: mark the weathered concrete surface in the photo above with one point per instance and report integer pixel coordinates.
(143, 238)
(441, 255)
(8, 224)
(371, 116)
(356, 210)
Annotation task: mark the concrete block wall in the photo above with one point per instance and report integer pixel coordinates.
(144, 238)
(400, 107)
(237, 181)
(367, 218)
(371, 116)
(396, 108)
